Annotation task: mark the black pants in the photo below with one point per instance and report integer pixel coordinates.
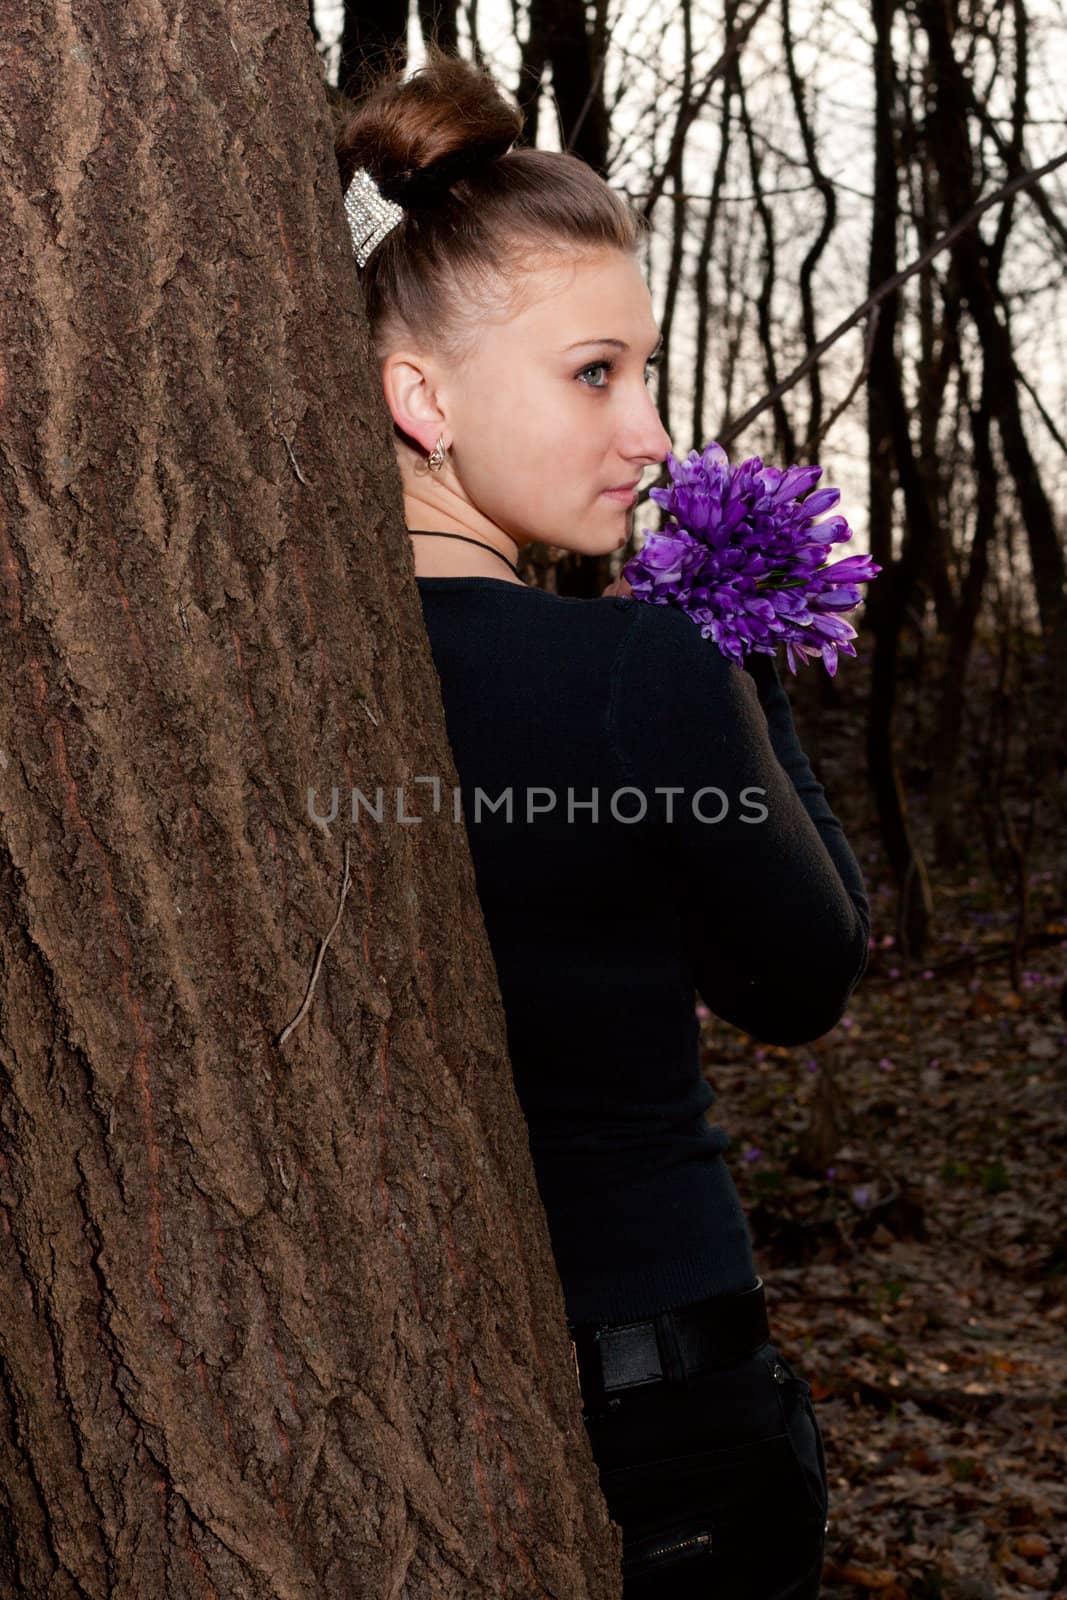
(719, 1484)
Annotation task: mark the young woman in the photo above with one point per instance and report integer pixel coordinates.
(642, 819)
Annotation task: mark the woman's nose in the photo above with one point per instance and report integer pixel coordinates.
(646, 435)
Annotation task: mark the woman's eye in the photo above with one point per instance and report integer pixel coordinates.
(651, 368)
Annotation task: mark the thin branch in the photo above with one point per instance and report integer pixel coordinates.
(747, 199)
(287, 1030)
(688, 112)
(1046, 419)
(809, 446)
(1023, 181)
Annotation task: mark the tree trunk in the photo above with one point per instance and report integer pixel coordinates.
(950, 718)
(891, 461)
(439, 22)
(577, 58)
(278, 1311)
(373, 40)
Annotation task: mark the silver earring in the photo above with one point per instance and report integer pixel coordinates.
(437, 456)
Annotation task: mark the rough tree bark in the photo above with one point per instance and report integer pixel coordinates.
(278, 1317)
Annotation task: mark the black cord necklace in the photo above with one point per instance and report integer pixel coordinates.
(425, 533)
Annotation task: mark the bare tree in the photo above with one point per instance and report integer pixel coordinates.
(373, 41)
(891, 460)
(805, 281)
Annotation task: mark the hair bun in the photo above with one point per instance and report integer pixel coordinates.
(419, 136)
(423, 186)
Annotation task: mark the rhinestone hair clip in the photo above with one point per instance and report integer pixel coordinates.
(370, 215)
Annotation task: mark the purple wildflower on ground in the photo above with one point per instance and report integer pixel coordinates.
(744, 557)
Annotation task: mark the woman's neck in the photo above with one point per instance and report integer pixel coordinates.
(455, 557)
(468, 566)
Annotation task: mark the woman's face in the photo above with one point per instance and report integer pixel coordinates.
(549, 411)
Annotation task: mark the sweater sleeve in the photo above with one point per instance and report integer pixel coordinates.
(785, 743)
(771, 900)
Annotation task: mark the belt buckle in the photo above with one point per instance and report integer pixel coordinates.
(631, 1356)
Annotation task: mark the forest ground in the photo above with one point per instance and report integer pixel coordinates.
(905, 1178)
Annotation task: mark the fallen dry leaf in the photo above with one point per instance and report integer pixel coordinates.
(868, 1577)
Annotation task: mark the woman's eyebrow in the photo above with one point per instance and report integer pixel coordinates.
(619, 344)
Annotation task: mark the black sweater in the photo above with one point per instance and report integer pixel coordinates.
(603, 929)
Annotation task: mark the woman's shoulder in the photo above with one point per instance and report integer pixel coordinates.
(664, 636)
(642, 644)
(672, 687)
(654, 641)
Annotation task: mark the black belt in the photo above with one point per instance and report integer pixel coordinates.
(616, 1358)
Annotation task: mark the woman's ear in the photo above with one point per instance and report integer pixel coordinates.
(408, 382)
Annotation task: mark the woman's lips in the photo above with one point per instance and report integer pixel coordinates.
(625, 497)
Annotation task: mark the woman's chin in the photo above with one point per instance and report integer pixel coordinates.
(593, 542)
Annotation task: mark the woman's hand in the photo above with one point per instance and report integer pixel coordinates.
(620, 586)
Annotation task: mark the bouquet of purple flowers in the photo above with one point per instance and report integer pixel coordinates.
(744, 557)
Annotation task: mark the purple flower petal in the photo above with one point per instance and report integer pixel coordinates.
(822, 500)
(796, 482)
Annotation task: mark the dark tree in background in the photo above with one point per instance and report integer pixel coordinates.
(278, 1310)
(891, 460)
(373, 39)
(563, 40)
